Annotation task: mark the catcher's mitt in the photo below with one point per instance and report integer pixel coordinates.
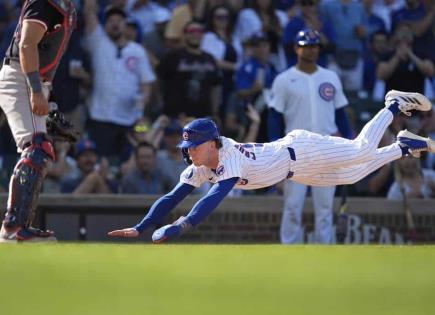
(58, 127)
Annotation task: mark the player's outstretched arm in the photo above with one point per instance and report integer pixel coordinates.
(158, 210)
(199, 212)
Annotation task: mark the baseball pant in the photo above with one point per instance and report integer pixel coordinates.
(15, 102)
(327, 161)
(291, 231)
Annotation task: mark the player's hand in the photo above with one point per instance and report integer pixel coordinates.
(171, 231)
(128, 232)
(39, 104)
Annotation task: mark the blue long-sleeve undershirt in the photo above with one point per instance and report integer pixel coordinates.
(342, 122)
(164, 205)
(275, 124)
(211, 200)
(200, 210)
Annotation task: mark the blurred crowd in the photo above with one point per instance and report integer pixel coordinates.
(136, 71)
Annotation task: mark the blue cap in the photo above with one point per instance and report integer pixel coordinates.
(307, 37)
(85, 145)
(197, 132)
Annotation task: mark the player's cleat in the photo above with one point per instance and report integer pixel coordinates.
(415, 144)
(171, 230)
(408, 101)
(30, 234)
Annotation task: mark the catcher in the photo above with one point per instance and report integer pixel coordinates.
(28, 69)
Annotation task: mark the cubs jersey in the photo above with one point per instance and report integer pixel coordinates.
(308, 101)
(257, 165)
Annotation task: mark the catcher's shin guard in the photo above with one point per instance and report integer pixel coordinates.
(26, 181)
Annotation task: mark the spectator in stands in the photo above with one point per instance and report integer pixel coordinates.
(62, 168)
(145, 178)
(412, 180)
(405, 69)
(10, 20)
(181, 15)
(154, 41)
(219, 42)
(72, 78)
(384, 9)
(169, 159)
(420, 15)
(372, 22)
(93, 177)
(133, 32)
(142, 131)
(347, 18)
(308, 17)
(144, 11)
(236, 128)
(263, 17)
(254, 79)
(190, 78)
(377, 48)
(121, 82)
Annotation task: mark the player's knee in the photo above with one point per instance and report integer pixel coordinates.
(37, 153)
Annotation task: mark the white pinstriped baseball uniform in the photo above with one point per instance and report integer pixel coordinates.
(302, 156)
(308, 101)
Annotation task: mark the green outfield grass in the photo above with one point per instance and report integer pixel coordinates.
(77, 279)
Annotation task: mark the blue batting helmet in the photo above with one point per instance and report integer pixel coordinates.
(197, 132)
(307, 37)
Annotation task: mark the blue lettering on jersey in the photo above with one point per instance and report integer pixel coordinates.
(327, 91)
(242, 149)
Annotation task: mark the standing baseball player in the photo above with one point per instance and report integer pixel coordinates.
(302, 156)
(307, 96)
(43, 31)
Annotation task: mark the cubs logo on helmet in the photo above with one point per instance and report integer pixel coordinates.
(307, 37)
(197, 132)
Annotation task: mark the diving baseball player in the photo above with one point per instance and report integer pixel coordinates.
(31, 61)
(302, 156)
(310, 97)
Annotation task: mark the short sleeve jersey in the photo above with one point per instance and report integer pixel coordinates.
(257, 165)
(308, 101)
(39, 11)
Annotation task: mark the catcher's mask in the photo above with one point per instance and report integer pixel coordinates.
(195, 133)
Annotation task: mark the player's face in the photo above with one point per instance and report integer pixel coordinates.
(308, 54)
(203, 154)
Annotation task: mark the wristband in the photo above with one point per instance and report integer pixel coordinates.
(34, 82)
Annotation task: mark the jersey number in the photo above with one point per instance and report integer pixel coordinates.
(243, 149)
